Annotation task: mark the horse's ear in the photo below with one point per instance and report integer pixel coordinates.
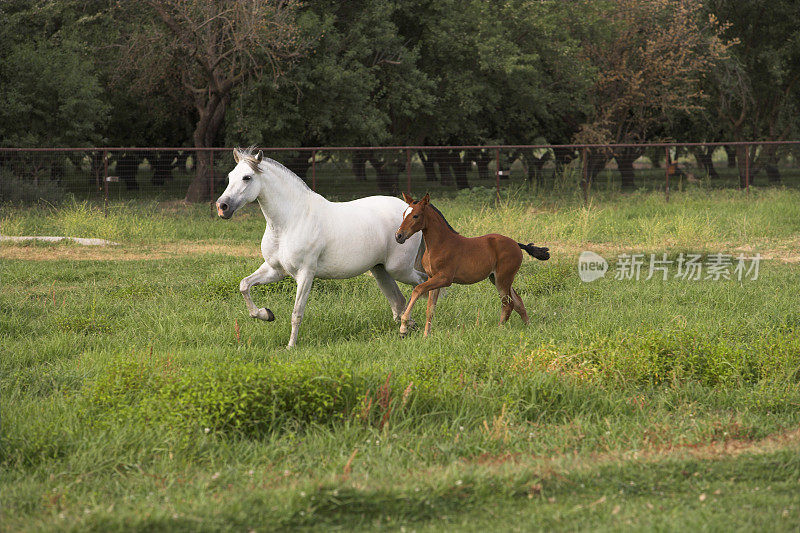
(259, 156)
(408, 199)
(425, 199)
(236, 155)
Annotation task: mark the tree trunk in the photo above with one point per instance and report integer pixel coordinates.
(703, 155)
(442, 160)
(97, 169)
(731, 152)
(128, 168)
(625, 160)
(533, 165)
(482, 159)
(563, 157)
(770, 158)
(161, 163)
(211, 114)
(387, 175)
(428, 164)
(182, 161)
(460, 169)
(745, 174)
(597, 162)
(200, 187)
(360, 164)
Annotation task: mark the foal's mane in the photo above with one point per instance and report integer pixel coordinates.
(441, 215)
(248, 155)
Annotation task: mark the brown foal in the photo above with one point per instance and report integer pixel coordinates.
(451, 258)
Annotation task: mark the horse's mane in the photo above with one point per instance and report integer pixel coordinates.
(441, 215)
(248, 155)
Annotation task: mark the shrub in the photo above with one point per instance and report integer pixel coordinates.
(15, 190)
(243, 397)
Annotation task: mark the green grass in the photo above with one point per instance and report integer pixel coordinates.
(137, 394)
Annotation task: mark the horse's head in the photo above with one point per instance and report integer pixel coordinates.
(413, 218)
(243, 183)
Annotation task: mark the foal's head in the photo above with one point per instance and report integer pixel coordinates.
(414, 218)
(242, 183)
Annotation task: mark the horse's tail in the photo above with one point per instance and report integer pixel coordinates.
(542, 254)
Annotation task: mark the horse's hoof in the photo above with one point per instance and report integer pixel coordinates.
(265, 315)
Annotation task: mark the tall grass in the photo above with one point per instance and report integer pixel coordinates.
(139, 395)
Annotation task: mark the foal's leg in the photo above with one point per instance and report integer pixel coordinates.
(265, 274)
(433, 296)
(503, 285)
(519, 307)
(304, 281)
(436, 282)
(390, 289)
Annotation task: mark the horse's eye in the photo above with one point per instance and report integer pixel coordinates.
(247, 178)
(415, 216)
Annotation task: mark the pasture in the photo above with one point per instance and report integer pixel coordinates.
(138, 394)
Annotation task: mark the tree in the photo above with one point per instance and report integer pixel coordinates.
(210, 48)
(756, 92)
(360, 85)
(50, 94)
(651, 59)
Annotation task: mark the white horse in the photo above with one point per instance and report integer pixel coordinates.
(309, 237)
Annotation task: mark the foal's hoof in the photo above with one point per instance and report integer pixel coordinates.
(265, 315)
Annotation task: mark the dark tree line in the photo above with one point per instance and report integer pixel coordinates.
(192, 73)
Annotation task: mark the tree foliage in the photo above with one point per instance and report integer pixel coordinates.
(385, 72)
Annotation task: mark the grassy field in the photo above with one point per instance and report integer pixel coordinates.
(137, 393)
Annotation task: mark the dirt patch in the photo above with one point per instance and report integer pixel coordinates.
(783, 251)
(83, 241)
(714, 450)
(125, 252)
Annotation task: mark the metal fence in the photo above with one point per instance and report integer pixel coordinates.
(340, 173)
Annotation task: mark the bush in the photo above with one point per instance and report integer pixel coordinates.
(15, 190)
(242, 398)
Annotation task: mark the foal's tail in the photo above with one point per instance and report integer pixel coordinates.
(542, 254)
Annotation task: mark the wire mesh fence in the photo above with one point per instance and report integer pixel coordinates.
(342, 173)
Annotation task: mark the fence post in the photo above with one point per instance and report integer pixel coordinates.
(585, 182)
(747, 168)
(408, 171)
(497, 171)
(105, 183)
(667, 166)
(211, 177)
(314, 170)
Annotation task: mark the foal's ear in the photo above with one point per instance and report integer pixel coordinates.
(236, 155)
(408, 199)
(425, 199)
(259, 156)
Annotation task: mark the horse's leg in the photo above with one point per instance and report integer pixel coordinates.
(519, 306)
(503, 285)
(265, 274)
(305, 279)
(390, 289)
(436, 282)
(432, 297)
